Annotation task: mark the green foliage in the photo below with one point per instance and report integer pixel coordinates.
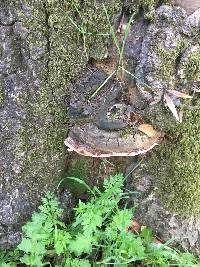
(99, 236)
(9, 259)
(90, 22)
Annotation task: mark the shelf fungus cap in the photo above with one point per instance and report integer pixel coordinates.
(89, 140)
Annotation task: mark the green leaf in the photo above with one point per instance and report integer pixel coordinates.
(25, 245)
(122, 219)
(32, 261)
(146, 234)
(131, 247)
(8, 264)
(82, 244)
(77, 263)
(61, 242)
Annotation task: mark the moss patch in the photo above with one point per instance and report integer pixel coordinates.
(90, 17)
(168, 59)
(192, 68)
(177, 167)
(57, 55)
(148, 6)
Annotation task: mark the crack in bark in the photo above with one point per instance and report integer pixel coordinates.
(48, 45)
(8, 24)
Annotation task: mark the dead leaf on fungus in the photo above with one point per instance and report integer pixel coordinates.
(148, 130)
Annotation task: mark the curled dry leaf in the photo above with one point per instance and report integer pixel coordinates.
(171, 106)
(135, 226)
(179, 94)
(148, 130)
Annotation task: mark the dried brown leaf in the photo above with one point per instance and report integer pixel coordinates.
(171, 106)
(179, 94)
(147, 129)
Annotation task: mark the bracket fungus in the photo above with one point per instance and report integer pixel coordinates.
(94, 142)
(108, 124)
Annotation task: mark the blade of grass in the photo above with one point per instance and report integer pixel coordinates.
(134, 168)
(131, 74)
(102, 85)
(126, 33)
(75, 25)
(79, 181)
(77, 10)
(97, 34)
(82, 31)
(112, 31)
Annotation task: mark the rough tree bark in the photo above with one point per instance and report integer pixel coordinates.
(40, 51)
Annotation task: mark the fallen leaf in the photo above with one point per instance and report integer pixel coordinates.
(156, 241)
(148, 130)
(196, 90)
(180, 114)
(171, 106)
(135, 227)
(179, 94)
(154, 102)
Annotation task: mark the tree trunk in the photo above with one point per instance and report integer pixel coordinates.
(40, 51)
(45, 45)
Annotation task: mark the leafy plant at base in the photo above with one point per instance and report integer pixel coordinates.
(44, 234)
(99, 236)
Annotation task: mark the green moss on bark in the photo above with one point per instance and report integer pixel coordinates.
(192, 67)
(177, 167)
(168, 58)
(57, 56)
(148, 6)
